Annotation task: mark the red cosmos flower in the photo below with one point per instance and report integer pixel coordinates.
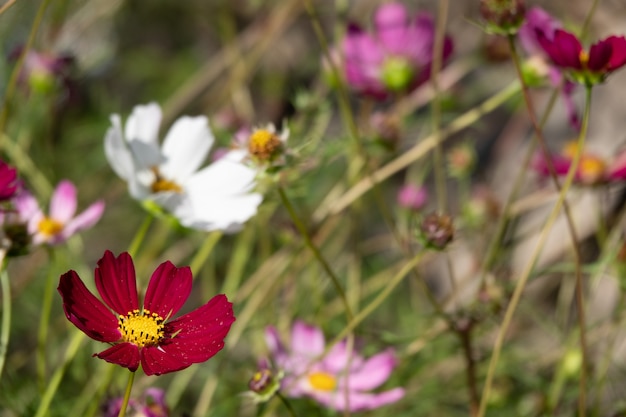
(589, 68)
(147, 335)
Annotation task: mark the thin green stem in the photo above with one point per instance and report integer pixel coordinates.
(287, 405)
(439, 166)
(11, 85)
(53, 384)
(42, 334)
(316, 252)
(523, 279)
(205, 250)
(129, 388)
(5, 285)
(140, 235)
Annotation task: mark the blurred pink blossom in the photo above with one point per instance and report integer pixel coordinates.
(412, 197)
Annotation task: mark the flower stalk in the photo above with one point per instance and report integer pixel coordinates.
(129, 388)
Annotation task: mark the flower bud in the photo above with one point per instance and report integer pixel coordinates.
(503, 16)
(264, 384)
(437, 230)
(397, 74)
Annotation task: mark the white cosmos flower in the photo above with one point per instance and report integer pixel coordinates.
(217, 197)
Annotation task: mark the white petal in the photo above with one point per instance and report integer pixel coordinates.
(223, 213)
(142, 130)
(185, 147)
(116, 150)
(222, 178)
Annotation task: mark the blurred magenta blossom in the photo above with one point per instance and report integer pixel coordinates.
(540, 23)
(61, 222)
(152, 404)
(170, 175)
(395, 57)
(9, 185)
(592, 169)
(147, 336)
(43, 72)
(340, 379)
(412, 197)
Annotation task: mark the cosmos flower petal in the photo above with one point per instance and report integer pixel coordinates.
(307, 340)
(123, 354)
(85, 311)
(391, 22)
(199, 335)
(115, 281)
(210, 180)
(8, 181)
(618, 57)
(63, 202)
(228, 216)
(359, 401)
(168, 289)
(185, 147)
(143, 124)
(155, 360)
(537, 19)
(84, 220)
(117, 151)
(599, 55)
(373, 372)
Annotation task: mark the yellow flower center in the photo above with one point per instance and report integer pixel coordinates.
(141, 328)
(591, 169)
(50, 227)
(583, 56)
(322, 381)
(161, 184)
(570, 149)
(264, 144)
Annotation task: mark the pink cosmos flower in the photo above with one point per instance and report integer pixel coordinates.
(395, 57)
(340, 380)
(152, 404)
(540, 23)
(586, 67)
(61, 223)
(412, 197)
(9, 184)
(146, 336)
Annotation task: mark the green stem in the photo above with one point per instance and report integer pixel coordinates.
(42, 334)
(6, 312)
(439, 166)
(523, 279)
(53, 384)
(140, 235)
(316, 252)
(205, 250)
(286, 403)
(4, 112)
(129, 388)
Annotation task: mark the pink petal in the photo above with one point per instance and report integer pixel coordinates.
(84, 220)
(358, 401)
(198, 335)
(115, 281)
(85, 311)
(617, 170)
(599, 55)
(373, 372)
(63, 202)
(123, 354)
(392, 23)
(168, 289)
(564, 50)
(307, 340)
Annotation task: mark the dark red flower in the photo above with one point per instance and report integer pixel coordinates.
(591, 67)
(9, 184)
(146, 336)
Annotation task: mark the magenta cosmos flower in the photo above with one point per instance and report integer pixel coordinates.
(9, 184)
(152, 404)
(395, 57)
(61, 223)
(586, 67)
(148, 335)
(340, 380)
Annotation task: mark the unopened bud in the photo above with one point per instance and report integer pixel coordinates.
(503, 16)
(397, 74)
(437, 230)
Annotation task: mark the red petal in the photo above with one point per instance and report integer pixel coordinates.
(157, 361)
(568, 48)
(168, 289)
(599, 55)
(199, 335)
(87, 312)
(618, 58)
(123, 354)
(115, 280)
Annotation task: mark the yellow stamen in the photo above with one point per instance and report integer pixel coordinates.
(583, 56)
(161, 184)
(591, 169)
(50, 227)
(264, 144)
(570, 149)
(322, 381)
(141, 328)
